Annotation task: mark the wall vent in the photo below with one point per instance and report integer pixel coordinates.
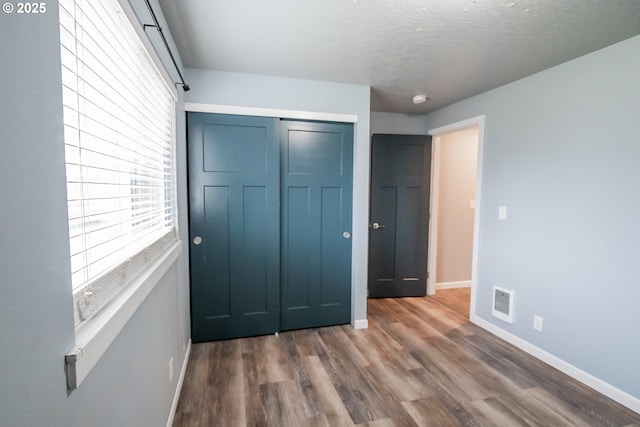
(503, 303)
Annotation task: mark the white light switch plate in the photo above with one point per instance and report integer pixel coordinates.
(502, 212)
(537, 323)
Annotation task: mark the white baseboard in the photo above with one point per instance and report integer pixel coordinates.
(586, 378)
(360, 324)
(453, 285)
(176, 394)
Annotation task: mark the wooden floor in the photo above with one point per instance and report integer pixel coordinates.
(418, 364)
(457, 299)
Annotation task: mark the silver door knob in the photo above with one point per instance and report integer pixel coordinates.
(376, 226)
(346, 234)
(197, 240)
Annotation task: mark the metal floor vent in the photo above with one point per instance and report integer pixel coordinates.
(503, 304)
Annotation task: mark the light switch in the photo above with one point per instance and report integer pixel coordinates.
(472, 203)
(502, 212)
(537, 323)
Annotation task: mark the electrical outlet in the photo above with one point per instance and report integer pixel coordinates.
(537, 323)
(170, 370)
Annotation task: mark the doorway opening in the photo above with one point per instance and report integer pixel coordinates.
(454, 214)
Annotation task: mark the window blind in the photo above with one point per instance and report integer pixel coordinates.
(119, 133)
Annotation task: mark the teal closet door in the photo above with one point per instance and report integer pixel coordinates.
(234, 193)
(316, 204)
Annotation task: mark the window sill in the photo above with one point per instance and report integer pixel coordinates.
(93, 339)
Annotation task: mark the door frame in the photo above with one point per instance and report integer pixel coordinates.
(436, 133)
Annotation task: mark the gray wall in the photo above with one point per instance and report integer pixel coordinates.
(403, 124)
(247, 90)
(561, 151)
(130, 384)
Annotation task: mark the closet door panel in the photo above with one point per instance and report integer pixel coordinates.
(317, 164)
(234, 215)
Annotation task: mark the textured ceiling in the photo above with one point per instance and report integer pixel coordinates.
(447, 49)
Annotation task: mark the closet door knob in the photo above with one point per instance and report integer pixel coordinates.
(197, 240)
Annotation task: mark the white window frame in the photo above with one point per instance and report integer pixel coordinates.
(94, 336)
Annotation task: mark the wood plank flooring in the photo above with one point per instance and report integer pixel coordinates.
(457, 299)
(420, 363)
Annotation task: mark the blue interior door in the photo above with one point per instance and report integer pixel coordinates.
(316, 179)
(234, 192)
(399, 220)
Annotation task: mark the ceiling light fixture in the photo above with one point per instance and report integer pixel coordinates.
(419, 99)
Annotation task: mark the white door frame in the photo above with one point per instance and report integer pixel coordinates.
(433, 205)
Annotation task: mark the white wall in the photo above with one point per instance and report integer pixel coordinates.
(130, 384)
(247, 90)
(561, 151)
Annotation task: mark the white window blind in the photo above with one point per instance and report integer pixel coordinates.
(119, 138)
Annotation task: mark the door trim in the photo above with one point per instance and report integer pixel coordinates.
(478, 121)
(195, 107)
(434, 194)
